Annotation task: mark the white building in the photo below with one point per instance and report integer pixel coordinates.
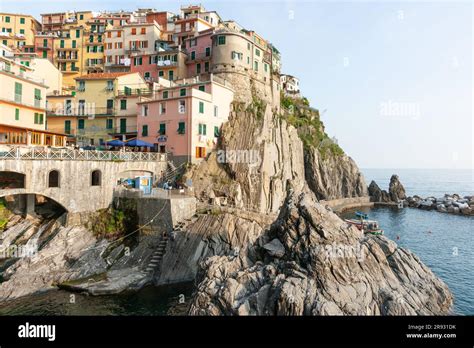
(290, 85)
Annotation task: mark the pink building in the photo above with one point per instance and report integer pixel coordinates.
(166, 63)
(199, 53)
(185, 118)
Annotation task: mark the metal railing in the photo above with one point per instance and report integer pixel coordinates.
(39, 153)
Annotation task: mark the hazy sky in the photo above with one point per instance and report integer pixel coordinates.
(395, 78)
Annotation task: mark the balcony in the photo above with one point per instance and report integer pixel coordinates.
(68, 49)
(134, 92)
(133, 50)
(81, 111)
(71, 71)
(166, 63)
(66, 58)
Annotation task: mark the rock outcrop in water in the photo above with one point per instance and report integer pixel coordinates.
(396, 189)
(318, 265)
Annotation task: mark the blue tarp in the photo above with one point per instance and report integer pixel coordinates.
(115, 142)
(138, 143)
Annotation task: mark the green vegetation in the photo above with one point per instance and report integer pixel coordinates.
(4, 214)
(108, 223)
(298, 113)
(257, 107)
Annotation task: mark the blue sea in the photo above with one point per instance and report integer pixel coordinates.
(444, 242)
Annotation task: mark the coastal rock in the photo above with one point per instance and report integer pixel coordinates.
(396, 189)
(329, 267)
(376, 194)
(275, 248)
(332, 177)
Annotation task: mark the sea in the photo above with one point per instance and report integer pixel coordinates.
(444, 242)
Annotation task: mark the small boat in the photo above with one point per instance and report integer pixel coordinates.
(364, 224)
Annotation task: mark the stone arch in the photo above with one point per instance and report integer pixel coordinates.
(54, 178)
(12, 180)
(96, 177)
(23, 192)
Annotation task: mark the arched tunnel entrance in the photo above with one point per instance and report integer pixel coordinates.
(31, 204)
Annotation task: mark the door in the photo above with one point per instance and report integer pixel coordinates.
(171, 75)
(123, 125)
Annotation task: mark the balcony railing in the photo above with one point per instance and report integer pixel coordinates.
(198, 57)
(79, 111)
(38, 153)
(164, 63)
(134, 92)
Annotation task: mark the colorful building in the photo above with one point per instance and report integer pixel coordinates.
(184, 118)
(102, 106)
(199, 50)
(18, 30)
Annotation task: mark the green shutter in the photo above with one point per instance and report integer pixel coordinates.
(67, 127)
(41, 119)
(201, 107)
(17, 114)
(200, 129)
(165, 94)
(45, 42)
(216, 131)
(45, 54)
(62, 44)
(182, 92)
(145, 130)
(162, 128)
(123, 125)
(22, 21)
(123, 104)
(36, 118)
(202, 88)
(204, 129)
(81, 124)
(181, 128)
(109, 123)
(18, 92)
(78, 33)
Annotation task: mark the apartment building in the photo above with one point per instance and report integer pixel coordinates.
(192, 20)
(185, 118)
(18, 30)
(199, 50)
(102, 106)
(290, 85)
(115, 58)
(167, 62)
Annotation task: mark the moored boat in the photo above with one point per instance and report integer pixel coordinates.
(364, 224)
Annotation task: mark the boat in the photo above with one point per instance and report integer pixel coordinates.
(363, 223)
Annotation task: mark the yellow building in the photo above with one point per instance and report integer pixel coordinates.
(22, 97)
(104, 105)
(18, 30)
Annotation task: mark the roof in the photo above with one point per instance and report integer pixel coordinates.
(103, 76)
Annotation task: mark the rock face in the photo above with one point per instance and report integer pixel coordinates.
(396, 189)
(327, 268)
(333, 177)
(259, 156)
(376, 194)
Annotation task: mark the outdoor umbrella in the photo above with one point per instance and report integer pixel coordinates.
(138, 143)
(115, 142)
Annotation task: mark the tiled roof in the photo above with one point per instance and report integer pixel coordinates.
(102, 76)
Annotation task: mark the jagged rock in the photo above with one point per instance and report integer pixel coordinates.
(376, 194)
(396, 189)
(329, 267)
(275, 248)
(333, 177)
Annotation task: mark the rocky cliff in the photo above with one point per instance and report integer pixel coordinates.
(312, 263)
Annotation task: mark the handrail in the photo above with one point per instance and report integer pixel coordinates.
(39, 153)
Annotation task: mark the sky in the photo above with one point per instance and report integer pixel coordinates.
(393, 80)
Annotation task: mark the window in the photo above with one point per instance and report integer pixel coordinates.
(81, 17)
(182, 92)
(208, 51)
(198, 68)
(162, 108)
(248, 45)
(96, 178)
(171, 75)
(216, 111)
(82, 86)
(206, 66)
(216, 131)
(147, 75)
(22, 20)
(265, 67)
(181, 128)
(144, 110)
(53, 178)
(45, 42)
(61, 43)
(182, 106)
(45, 54)
(162, 130)
(193, 55)
(73, 43)
(119, 34)
(255, 66)
(236, 55)
(109, 123)
(81, 124)
(123, 104)
(257, 52)
(145, 130)
(134, 31)
(202, 88)
(201, 107)
(143, 31)
(37, 97)
(67, 127)
(78, 33)
(123, 125)
(110, 85)
(161, 73)
(18, 92)
(7, 19)
(202, 129)
(110, 105)
(221, 40)
(22, 31)
(165, 94)
(17, 114)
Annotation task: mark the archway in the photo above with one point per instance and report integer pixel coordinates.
(96, 178)
(53, 178)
